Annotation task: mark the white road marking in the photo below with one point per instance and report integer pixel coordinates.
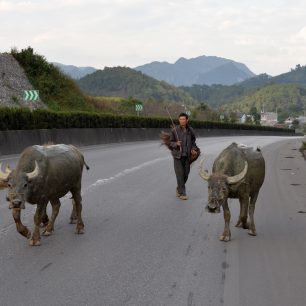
(125, 172)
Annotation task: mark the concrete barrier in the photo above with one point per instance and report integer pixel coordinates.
(13, 142)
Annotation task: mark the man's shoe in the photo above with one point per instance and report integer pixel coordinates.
(183, 197)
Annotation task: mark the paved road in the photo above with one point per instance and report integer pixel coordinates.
(143, 246)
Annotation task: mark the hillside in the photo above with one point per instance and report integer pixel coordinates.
(258, 81)
(286, 99)
(73, 71)
(125, 82)
(215, 95)
(13, 83)
(58, 91)
(295, 76)
(199, 70)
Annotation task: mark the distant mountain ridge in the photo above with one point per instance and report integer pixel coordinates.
(74, 71)
(217, 95)
(199, 70)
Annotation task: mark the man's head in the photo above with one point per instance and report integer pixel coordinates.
(183, 119)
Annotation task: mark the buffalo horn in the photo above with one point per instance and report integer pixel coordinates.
(4, 175)
(236, 178)
(203, 173)
(34, 173)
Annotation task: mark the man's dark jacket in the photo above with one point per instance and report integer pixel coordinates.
(176, 152)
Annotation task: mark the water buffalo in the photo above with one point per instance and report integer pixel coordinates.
(238, 172)
(45, 173)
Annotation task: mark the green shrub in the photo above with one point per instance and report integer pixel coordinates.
(24, 119)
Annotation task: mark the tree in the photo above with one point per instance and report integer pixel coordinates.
(295, 124)
(255, 114)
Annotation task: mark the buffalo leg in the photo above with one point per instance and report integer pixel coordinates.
(73, 216)
(226, 236)
(76, 194)
(252, 229)
(23, 230)
(244, 208)
(56, 204)
(35, 239)
(44, 218)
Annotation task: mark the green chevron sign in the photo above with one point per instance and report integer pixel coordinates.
(138, 107)
(31, 95)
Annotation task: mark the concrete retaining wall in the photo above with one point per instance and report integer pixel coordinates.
(13, 142)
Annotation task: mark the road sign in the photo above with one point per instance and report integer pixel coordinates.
(138, 107)
(188, 113)
(31, 95)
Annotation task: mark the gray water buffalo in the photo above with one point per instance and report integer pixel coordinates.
(238, 172)
(45, 173)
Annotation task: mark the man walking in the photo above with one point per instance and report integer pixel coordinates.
(184, 150)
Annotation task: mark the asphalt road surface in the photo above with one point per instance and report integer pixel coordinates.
(143, 246)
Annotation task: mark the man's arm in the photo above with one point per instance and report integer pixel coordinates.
(193, 140)
(174, 142)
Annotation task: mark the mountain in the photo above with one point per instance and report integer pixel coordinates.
(215, 95)
(226, 74)
(295, 76)
(126, 82)
(74, 71)
(200, 70)
(218, 95)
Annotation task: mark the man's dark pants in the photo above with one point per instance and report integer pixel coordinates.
(182, 169)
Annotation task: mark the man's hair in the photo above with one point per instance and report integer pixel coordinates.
(183, 115)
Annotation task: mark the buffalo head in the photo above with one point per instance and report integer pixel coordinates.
(18, 185)
(219, 186)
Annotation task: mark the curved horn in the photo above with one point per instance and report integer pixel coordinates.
(236, 178)
(203, 173)
(4, 175)
(34, 173)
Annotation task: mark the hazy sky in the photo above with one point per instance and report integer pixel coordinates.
(267, 35)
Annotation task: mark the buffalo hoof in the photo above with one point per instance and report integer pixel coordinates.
(46, 233)
(25, 233)
(245, 225)
(252, 232)
(34, 243)
(225, 238)
(79, 231)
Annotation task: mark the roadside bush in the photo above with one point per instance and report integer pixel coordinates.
(24, 119)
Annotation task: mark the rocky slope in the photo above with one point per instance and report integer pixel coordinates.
(13, 82)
